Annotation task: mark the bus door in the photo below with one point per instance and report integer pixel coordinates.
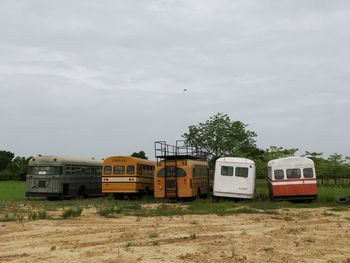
(242, 180)
(224, 180)
(170, 182)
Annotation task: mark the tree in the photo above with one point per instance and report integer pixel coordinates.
(5, 158)
(219, 137)
(140, 154)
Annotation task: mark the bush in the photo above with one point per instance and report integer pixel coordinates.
(72, 212)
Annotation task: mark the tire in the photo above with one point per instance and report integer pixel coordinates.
(343, 200)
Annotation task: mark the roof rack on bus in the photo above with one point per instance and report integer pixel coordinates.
(182, 150)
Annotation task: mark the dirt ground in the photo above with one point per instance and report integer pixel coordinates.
(292, 235)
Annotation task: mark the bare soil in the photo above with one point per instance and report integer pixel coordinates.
(292, 235)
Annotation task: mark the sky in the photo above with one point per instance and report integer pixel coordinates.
(100, 78)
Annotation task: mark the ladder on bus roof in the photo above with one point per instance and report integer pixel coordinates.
(166, 152)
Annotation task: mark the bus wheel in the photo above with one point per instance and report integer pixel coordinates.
(82, 192)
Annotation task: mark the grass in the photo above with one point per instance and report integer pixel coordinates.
(72, 212)
(38, 215)
(12, 190)
(14, 205)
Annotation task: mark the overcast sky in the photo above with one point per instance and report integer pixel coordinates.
(101, 78)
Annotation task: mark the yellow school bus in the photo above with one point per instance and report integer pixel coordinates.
(127, 175)
(179, 172)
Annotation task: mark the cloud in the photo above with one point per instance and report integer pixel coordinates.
(100, 78)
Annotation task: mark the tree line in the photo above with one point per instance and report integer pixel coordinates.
(218, 137)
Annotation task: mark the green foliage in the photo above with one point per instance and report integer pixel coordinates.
(140, 154)
(72, 212)
(12, 169)
(38, 215)
(109, 211)
(219, 137)
(5, 158)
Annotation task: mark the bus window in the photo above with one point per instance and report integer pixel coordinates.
(45, 170)
(130, 169)
(171, 171)
(99, 170)
(227, 170)
(293, 173)
(308, 173)
(119, 169)
(241, 172)
(108, 170)
(68, 170)
(279, 174)
(139, 169)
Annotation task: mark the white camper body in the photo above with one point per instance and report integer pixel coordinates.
(234, 177)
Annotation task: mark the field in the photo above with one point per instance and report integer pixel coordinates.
(147, 230)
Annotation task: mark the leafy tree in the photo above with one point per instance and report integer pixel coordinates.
(220, 136)
(5, 158)
(140, 154)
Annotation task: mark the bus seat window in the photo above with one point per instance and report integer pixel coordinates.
(241, 172)
(130, 169)
(171, 171)
(119, 169)
(293, 173)
(68, 170)
(45, 170)
(139, 169)
(107, 169)
(308, 173)
(227, 170)
(279, 174)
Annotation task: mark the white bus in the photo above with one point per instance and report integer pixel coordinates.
(234, 177)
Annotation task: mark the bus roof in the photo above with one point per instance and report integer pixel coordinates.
(235, 160)
(291, 162)
(52, 159)
(108, 159)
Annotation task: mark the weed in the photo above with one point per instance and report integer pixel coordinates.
(8, 218)
(153, 235)
(194, 222)
(295, 230)
(268, 249)
(72, 212)
(310, 239)
(109, 211)
(193, 236)
(39, 215)
(155, 242)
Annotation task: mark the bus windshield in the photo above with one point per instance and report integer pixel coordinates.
(45, 170)
(171, 171)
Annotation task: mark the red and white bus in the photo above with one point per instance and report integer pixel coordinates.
(292, 178)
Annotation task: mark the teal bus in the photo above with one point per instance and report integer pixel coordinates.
(57, 177)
